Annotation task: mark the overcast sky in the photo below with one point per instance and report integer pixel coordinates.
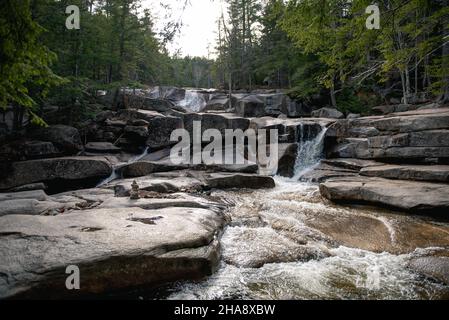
(199, 23)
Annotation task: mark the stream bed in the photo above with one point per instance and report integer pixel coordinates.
(288, 243)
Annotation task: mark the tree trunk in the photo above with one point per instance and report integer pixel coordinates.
(18, 114)
(404, 88)
(407, 81)
(445, 62)
(333, 98)
(125, 12)
(230, 90)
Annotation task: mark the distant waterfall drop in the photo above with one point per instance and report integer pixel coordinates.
(193, 101)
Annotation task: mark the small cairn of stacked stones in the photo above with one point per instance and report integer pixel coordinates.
(134, 194)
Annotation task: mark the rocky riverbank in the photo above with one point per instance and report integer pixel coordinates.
(106, 197)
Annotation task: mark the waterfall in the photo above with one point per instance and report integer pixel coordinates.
(116, 171)
(193, 101)
(310, 151)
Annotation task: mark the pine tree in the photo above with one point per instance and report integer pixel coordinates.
(24, 62)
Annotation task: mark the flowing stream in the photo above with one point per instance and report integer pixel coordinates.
(116, 171)
(310, 151)
(289, 243)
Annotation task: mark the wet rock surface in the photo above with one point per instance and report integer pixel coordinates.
(433, 264)
(244, 248)
(287, 242)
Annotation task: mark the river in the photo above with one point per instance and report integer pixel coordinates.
(290, 243)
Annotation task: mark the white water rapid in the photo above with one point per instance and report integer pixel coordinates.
(193, 101)
(288, 243)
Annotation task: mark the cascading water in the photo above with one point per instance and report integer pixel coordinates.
(286, 243)
(310, 151)
(116, 171)
(193, 101)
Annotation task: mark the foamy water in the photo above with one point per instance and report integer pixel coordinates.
(265, 221)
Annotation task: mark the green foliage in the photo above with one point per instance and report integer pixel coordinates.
(24, 62)
(411, 34)
(439, 69)
(305, 79)
(303, 45)
(349, 102)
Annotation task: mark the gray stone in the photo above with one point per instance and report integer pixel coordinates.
(140, 123)
(116, 123)
(422, 197)
(220, 122)
(276, 103)
(170, 182)
(27, 207)
(129, 115)
(295, 109)
(28, 150)
(143, 168)
(353, 116)
(67, 168)
(324, 172)
(149, 247)
(220, 180)
(135, 132)
(351, 148)
(159, 105)
(387, 109)
(30, 187)
(438, 173)
(327, 113)
(434, 266)
(429, 138)
(220, 102)
(251, 106)
(101, 147)
(160, 130)
(287, 158)
(39, 195)
(104, 115)
(351, 164)
(64, 137)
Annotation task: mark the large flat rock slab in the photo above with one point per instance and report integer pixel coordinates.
(143, 168)
(225, 180)
(193, 181)
(439, 173)
(101, 147)
(170, 182)
(421, 197)
(72, 169)
(352, 164)
(115, 249)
